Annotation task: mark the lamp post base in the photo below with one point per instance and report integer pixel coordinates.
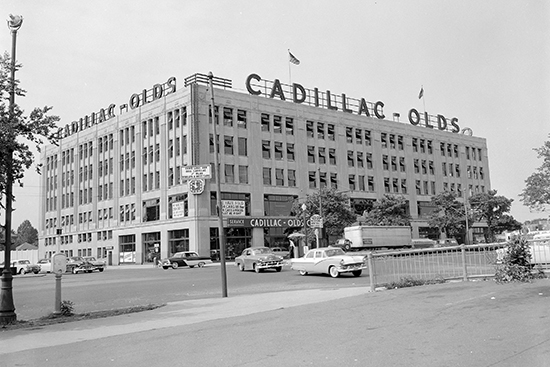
(7, 308)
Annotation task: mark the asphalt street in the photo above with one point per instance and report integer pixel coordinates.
(454, 324)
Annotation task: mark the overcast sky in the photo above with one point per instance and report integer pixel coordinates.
(484, 62)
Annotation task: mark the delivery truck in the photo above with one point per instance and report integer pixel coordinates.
(375, 237)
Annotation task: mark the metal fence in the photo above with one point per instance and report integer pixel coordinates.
(444, 263)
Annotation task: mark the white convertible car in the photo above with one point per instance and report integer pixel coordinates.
(329, 260)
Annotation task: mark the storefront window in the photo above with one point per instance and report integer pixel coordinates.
(127, 249)
(151, 247)
(236, 240)
(178, 241)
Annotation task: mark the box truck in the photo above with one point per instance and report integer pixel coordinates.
(375, 237)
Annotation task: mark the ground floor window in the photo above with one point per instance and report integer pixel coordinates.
(178, 240)
(127, 249)
(276, 237)
(237, 239)
(151, 247)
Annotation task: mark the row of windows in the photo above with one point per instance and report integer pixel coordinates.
(280, 177)
(275, 122)
(228, 116)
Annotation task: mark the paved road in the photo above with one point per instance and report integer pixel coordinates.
(456, 324)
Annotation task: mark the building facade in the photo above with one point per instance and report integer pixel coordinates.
(118, 186)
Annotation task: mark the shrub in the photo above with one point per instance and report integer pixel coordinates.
(515, 264)
(67, 308)
(412, 282)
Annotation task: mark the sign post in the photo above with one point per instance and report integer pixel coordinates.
(59, 266)
(316, 221)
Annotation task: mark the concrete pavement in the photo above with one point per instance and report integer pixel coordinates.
(454, 324)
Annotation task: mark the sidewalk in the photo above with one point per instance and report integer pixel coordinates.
(453, 324)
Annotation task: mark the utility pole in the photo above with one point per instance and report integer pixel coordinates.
(221, 232)
(7, 307)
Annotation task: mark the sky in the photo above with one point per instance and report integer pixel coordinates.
(486, 63)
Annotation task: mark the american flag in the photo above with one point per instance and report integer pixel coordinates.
(293, 58)
(421, 94)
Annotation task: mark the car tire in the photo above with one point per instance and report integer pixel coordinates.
(191, 266)
(101, 269)
(165, 267)
(303, 272)
(357, 273)
(74, 271)
(200, 265)
(175, 265)
(241, 266)
(333, 271)
(278, 269)
(21, 271)
(256, 269)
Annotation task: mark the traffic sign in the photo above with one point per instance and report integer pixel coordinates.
(316, 221)
(202, 172)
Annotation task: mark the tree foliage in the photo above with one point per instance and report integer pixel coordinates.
(536, 194)
(26, 233)
(515, 264)
(334, 208)
(19, 132)
(490, 207)
(390, 210)
(449, 216)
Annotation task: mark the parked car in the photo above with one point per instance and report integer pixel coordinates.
(99, 265)
(185, 258)
(329, 260)
(259, 259)
(446, 242)
(23, 267)
(77, 264)
(422, 243)
(45, 265)
(283, 252)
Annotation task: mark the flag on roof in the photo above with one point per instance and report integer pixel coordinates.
(421, 94)
(293, 58)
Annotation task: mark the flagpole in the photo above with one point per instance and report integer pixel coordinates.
(289, 73)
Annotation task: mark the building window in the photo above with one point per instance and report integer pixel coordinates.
(384, 140)
(351, 182)
(332, 156)
(334, 180)
(358, 136)
(228, 116)
(216, 114)
(322, 156)
(229, 173)
(241, 119)
(403, 186)
(351, 160)
(330, 132)
(430, 147)
(266, 149)
(228, 145)
(290, 151)
(370, 183)
(402, 164)
(289, 126)
(243, 174)
(277, 124)
(422, 146)
(385, 163)
(349, 134)
(320, 130)
(291, 178)
(151, 210)
(278, 150)
(265, 122)
(312, 177)
(309, 129)
(243, 151)
(267, 176)
(394, 163)
(279, 177)
(415, 144)
(360, 162)
(310, 154)
(361, 183)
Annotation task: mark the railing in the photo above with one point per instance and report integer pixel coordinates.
(458, 262)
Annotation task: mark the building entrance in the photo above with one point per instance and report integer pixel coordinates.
(151, 247)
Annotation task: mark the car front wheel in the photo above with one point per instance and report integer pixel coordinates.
(333, 272)
(200, 265)
(357, 273)
(303, 272)
(278, 268)
(256, 269)
(74, 271)
(241, 266)
(174, 265)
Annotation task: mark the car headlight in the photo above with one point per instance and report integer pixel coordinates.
(342, 262)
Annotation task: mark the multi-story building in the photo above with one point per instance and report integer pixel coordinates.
(117, 187)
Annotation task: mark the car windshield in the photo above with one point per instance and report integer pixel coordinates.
(192, 254)
(262, 250)
(335, 252)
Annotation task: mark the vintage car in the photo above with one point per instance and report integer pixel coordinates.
(77, 264)
(329, 260)
(185, 258)
(99, 265)
(280, 251)
(23, 267)
(259, 259)
(45, 265)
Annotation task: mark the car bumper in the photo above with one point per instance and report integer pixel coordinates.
(351, 267)
(269, 265)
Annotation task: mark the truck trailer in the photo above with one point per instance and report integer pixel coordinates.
(375, 237)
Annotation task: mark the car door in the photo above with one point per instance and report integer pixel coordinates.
(308, 261)
(247, 259)
(320, 264)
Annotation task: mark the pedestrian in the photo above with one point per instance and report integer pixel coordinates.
(291, 250)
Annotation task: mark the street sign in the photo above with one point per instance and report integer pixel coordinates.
(316, 221)
(201, 172)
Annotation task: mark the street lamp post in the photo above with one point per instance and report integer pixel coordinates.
(304, 207)
(7, 307)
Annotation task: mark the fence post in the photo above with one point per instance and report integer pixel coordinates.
(464, 266)
(371, 272)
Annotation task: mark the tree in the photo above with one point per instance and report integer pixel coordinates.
(26, 233)
(333, 207)
(489, 207)
(390, 210)
(18, 131)
(506, 223)
(536, 194)
(449, 216)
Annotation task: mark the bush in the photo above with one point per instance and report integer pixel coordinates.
(67, 308)
(412, 282)
(515, 264)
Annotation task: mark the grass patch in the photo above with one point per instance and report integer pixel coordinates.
(63, 318)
